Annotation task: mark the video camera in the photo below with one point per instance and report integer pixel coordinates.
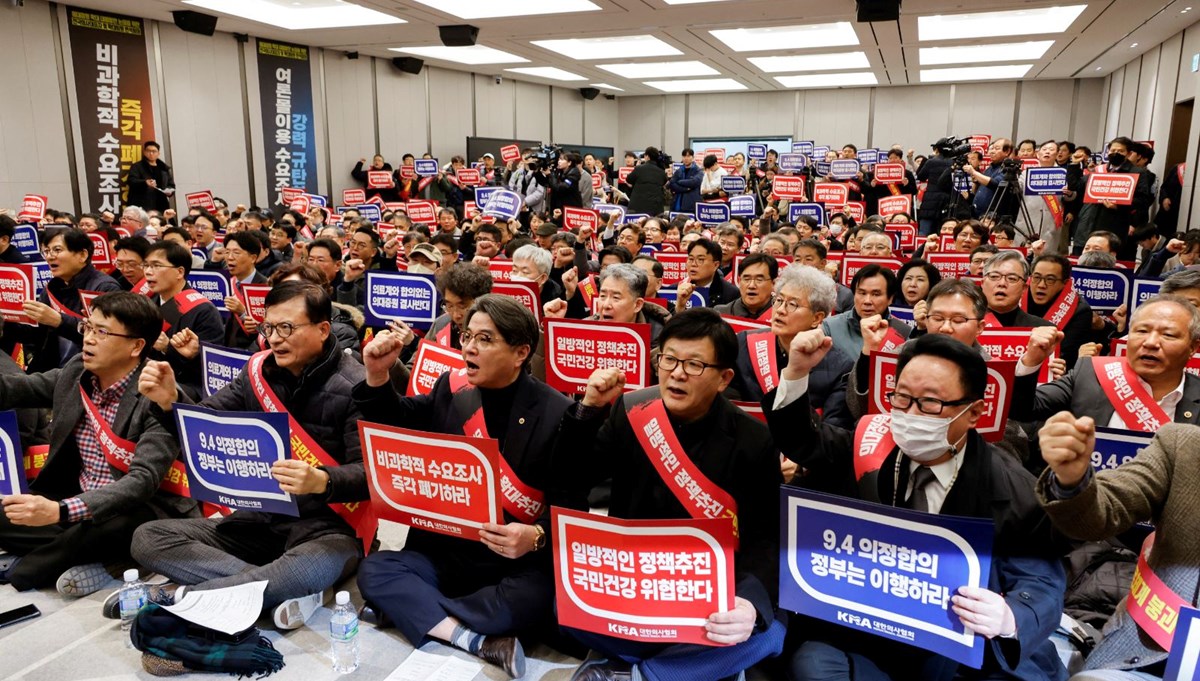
(546, 156)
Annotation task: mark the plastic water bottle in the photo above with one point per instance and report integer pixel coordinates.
(343, 634)
(133, 597)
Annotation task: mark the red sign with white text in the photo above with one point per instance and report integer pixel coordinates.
(623, 173)
(422, 212)
(950, 265)
(1115, 187)
(855, 209)
(501, 270)
(354, 197)
(254, 297)
(101, 251)
(851, 264)
(33, 208)
(407, 172)
(980, 143)
(831, 193)
(741, 324)
(674, 267)
(290, 194)
(890, 205)
(379, 179)
(510, 153)
(576, 348)
(783, 260)
(431, 361)
(202, 199)
(526, 292)
(719, 152)
(448, 484)
(907, 233)
(889, 173)
(580, 217)
(598, 180)
(468, 177)
(16, 287)
(642, 580)
(789, 187)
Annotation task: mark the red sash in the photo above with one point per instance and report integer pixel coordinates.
(1134, 404)
(520, 500)
(237, 292)
(118, 451)
(59, 307)
(894, 189)
(187, 300)
(424, 183)
(872, 443)
(990, 322)
(761, 346)
(1062, 309)
(35, 460)
(443, 335)
(357, 514)
(1151, 603)
(698, 495)
(1179, 170)
(589, 289)
(142, 288)
(1055, 206)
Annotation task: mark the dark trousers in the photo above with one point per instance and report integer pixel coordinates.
(46, 552)
(877, 661)
(417, 591)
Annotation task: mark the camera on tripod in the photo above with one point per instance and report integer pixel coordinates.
(546, 156)
(956, 148)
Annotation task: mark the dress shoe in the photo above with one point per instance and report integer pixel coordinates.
(369, 614)
(162, 594)
(505, 652)
(603, 670)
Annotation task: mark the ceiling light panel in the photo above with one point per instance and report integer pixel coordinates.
(828, 80)
(1036, 21)
(549, 72)
(492, 9)
(839, 34)
(975, 54)
(701, 85)
(617, 47)
(664, 69)
(473, 55)
(297, 15)
(965, 73)
(812, 62)
(606, 86)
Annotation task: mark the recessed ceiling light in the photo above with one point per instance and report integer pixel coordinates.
(299, 16)
(812, 62)
(975, 54)
(702, 85)
(473, 55)
(491, 9)
(606, 86)
(837, 34)
(548, 72)
(975, 73)
(1099, 68)
(618, 47)
(828, 80)
(1133, 46)
(662, 69)
(1010, 22)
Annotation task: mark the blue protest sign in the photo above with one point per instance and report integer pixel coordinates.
(844, 168)
(820, 151)
(1183, 664)
(633, 217)
(1104, 290)
(482, 194)
(805, 147)
(1115, 447)
(699, 297)
(733, 184)
(317, 200)
(815, 211)
(41, 275)
(219, 365)
(410, 298)
(200, 253)
(868, 157)
(712, 213)
(904, 314)
(370, 211)
(1039, 181)
(887, 571)
(962, 183)
(425, 167)
(502, 203)
(673, 214)
(1143, 289)
(792, 163)
(25, 239)
(649, 249)
(743, 205)
(822, 168)
(676, 167)
(229, 456)
(756, 152)
(12, 457)
(603, 208)
(214, 284)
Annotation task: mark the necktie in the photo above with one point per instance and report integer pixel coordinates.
(919, 501)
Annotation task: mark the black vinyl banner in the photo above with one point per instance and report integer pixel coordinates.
(285, 91)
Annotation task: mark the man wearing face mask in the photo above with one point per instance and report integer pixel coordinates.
(532, 264)
(934, 461)
(424, 259)
(1108, 216)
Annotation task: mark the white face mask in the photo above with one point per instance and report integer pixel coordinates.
(921, 437)
(835, 229)
(414, 268)
(517, 277)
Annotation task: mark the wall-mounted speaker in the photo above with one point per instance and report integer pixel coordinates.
(458, 35)
(195, 22)
(589, 93)
(878, 10)
(408, 64)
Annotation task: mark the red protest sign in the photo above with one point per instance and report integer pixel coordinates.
(950, 265)
(431, 361)
(254, 297)
(301, 203)
(741, 324)
(422, 212)
(290, 194)
(124, 232)
(907, 233)
(202, 199)
(831, 193)
(996, 398)
(580, 217)
(719, 152)
(783, 260)
(101, 251)
(470, 209)
(86, 298)
(1027, 163)
(623, 174)
(642, 580)
(889, 173)
(890, 205)
(526, 292)
(354, 197)
(946, 243)
(980, 143)
(598, 180)
(674, 267)
(33, 208)
(16, 287)
(510, 153)
(1117, 188)
(576, 348)
(376, 200)
(789, 187)
(379, 179)
(851, 264)
(436, 482)
(468, 177)
(855, 209)
(501, 270)
(1009, 343)
(407, 172)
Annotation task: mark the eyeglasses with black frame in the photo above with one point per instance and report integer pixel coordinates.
(86, 326)
(691, 367)
(931, 406)
(284, 329)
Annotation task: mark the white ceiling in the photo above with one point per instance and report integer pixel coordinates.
(1102, 38)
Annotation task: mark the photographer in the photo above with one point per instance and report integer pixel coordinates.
(530, 184)
(564, 181)
(997, 176)
(937, 196)
(646, 184)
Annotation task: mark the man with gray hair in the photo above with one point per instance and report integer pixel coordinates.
(135, 220)
(1005, 278)
(1185, 284)
(532, 263)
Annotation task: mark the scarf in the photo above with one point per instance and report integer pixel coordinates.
(163, 634)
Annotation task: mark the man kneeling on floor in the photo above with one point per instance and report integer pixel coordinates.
(109, 456)
(303, 373)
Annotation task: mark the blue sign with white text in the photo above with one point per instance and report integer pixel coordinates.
(793, 163)
(756, 152)
(815, 211)
(229, 456)
(410, 298)
(820, 151)
(317, 200)
(41, 275)
(1039, 181)
(502, 203)
(822, 168)
(425, 167)
(25, 239)
(805, 147)
(214, 284)
(1143, 289)
(887, 571)
(12, 457)
(733, 184)
(699, 297)
(1115, 447)
(1104, 290)
(633, 217)
(868, 157)
(743, 206)
(1183, 664)
(370, 211)
(603, 208)
(904, 314)
(219, 366)
(962, 183)
(712, 213)
(844, 168)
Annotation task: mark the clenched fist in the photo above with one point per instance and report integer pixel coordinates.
(1067, 444)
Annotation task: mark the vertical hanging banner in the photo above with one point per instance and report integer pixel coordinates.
(285, 92)
(112, 88)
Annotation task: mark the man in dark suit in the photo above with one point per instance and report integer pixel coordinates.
(1005, 278)
(476, 594)
(241, 253)
(109, 456)
(704, 257)
(942, 466)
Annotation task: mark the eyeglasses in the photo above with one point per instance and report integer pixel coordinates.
(1052, 281)
(284, 329)
(484, 339)
(694, 260)
(54, 250)
(957, 320)
(753, 280)
(122, 264)
(89, 327)
(788, 305)
(926, 405)
(151, 266)
(996, 278)
(455, 307)
(691, 367)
